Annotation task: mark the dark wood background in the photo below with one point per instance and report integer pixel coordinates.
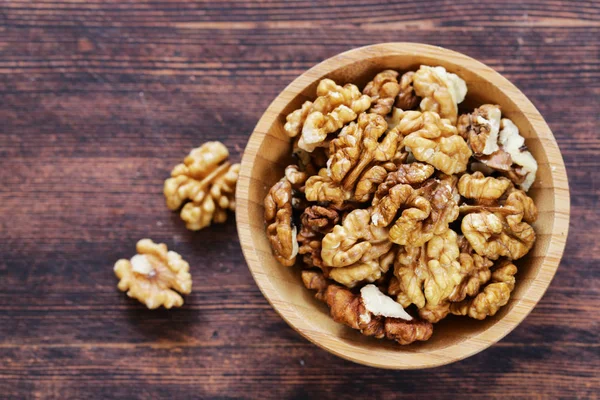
(99, 99)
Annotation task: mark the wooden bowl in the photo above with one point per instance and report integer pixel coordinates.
(455, 338)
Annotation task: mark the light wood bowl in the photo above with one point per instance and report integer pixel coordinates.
(455, 338)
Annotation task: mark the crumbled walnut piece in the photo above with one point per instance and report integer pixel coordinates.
(407, 99)
(498, 160)
(351, 146)
(314, 280)
(331, 95)
(278, 218)
(441, 91)
(379, 304)
(480, 187)
(352, 163)
(222, 198)
(383, 90)
(511, 158)
(427, 216)
(514, 144)
(309, 246)
(425, 212)
(197, 165)
(494, 295)
(428, 274)
(435, 141)
(481, 128)
(154, 276)
(208, 181)
(348, 308)
(335, 107)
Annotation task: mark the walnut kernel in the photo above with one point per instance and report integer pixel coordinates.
(154, 276)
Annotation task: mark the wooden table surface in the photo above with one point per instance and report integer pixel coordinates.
(99, 99)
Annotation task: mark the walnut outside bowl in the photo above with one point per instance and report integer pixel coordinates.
(455, 338)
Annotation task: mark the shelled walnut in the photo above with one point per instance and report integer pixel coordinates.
(155, 276)
(205, 182)
(474, 268)
(436, 142)
(428, 274)
(481, 129)
(383, 90)
(334, 107)
(407, 98)
(501, 226)
(498, 144)
(423, 212)
(356, 250)
(280, 228)
(315, 223)
(401, 202)
(492, 297)
(494, 235)
(350, 309)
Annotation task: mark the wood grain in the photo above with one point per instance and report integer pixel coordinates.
(98, 99)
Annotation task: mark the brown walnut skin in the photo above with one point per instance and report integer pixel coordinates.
(347, 308)
(316, 222)
(407, 99)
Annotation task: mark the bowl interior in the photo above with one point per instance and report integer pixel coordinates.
(268, 153)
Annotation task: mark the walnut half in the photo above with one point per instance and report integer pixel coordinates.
(435, 140)
(154, 276)
(356, 250)
(278, 218)
(492, 297)
(206, 181)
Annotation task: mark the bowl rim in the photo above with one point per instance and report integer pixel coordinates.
(424, 358)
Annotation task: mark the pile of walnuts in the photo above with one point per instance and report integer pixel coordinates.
(393, 188)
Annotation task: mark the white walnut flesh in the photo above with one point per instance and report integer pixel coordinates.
(493, 121)
(514, 144)
(380, 304)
